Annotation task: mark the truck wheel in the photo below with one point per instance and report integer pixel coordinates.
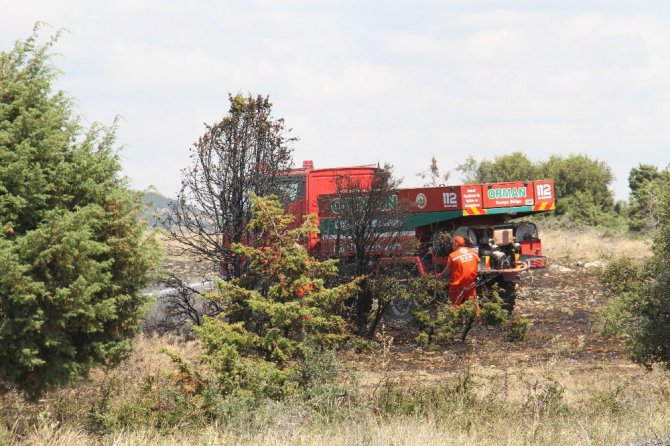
(400, 310)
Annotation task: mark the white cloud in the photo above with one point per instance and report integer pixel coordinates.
(366, 82)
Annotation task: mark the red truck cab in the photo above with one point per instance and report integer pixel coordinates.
(300, 188)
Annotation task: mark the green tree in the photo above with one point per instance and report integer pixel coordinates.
(582, 184)
(582, 188)
(512, 167)
(275, 310)
(638, 313)
(645, 182)
(73, 254)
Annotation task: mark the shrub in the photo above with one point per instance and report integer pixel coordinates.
(518, 329)
(361, 345)
(264, 331)
(441, 325)
(622, 276)
(428, 401)
(638, 313)
(546, 397)
(73, 253)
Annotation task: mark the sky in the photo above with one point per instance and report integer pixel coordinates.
(366, 82)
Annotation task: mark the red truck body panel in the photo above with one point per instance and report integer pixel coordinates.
(441, 198)
(476, 198)
(431, 208)
(318, 182)
(324, 182)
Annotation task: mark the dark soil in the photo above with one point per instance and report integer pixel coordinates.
(561, 302)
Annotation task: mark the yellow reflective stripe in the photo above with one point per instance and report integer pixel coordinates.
(473, 211)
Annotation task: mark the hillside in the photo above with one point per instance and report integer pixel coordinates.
(155, 203)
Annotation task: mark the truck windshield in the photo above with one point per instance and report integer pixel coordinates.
(291, 187)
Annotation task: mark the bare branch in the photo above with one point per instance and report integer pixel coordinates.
(245, 152)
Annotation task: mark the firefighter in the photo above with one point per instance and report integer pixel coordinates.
(462, 265)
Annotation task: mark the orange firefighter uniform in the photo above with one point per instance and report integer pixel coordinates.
(462, 266)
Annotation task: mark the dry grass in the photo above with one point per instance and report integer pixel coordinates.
(70, 408)
(180, 262)
(599, 429)
(174, 248)
(590, 244)
(556, 401)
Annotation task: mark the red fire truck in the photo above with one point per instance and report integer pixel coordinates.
(488, 216)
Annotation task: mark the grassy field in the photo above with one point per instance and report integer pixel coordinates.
(592, 244)
(563, 385)
(557, 401)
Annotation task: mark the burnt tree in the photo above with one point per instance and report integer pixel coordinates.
(369, 225)
(245, 152)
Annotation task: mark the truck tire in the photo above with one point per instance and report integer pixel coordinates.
(400, 310)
